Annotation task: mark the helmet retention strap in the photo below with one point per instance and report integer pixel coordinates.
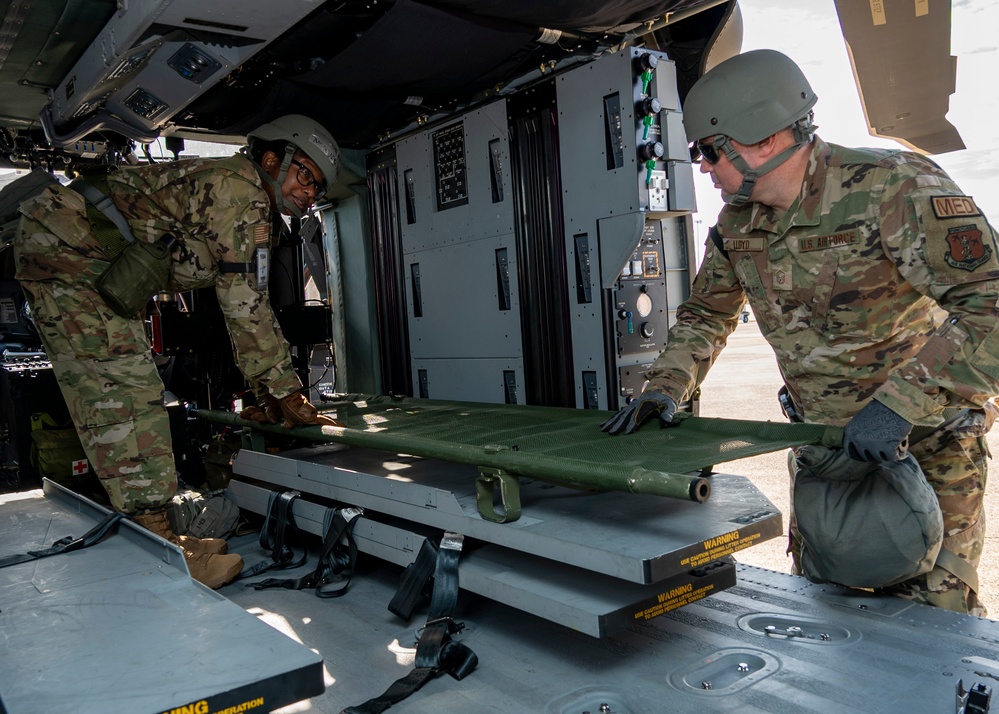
(803, 130)
(289, 154)
(277, 183)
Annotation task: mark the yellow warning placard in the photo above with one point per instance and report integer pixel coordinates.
(202, 707)
(715, 548)
(674, 598)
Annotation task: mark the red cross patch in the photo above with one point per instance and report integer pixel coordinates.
(80, 467)
(965, 249)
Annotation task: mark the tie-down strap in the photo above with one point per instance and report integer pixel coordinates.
(436, 652)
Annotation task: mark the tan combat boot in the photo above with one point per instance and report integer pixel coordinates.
(213, 570)
(203, 546)
(209, 566)
(157, 522)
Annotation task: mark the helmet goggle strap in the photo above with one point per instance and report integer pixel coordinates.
(802, 131)
(277, 183)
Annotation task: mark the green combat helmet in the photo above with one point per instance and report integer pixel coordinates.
(748, 98)
(300, 133)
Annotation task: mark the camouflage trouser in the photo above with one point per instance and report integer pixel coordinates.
(102, 361)
(954, 460)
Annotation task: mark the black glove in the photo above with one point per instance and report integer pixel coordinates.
(628, 419)
(876, 433)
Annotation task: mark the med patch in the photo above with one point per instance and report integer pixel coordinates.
(954, 207)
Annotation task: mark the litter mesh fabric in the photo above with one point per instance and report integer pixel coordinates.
(573, 436)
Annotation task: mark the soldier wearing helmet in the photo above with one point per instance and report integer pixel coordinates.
(764, 96)
(874, 279)
(211, 222)
(294, 145)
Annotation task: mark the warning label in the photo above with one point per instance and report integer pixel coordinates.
(202, 707)
(715, 548)
(672, 599)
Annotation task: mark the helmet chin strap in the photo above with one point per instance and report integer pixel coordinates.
(803, 130)
(277, 183)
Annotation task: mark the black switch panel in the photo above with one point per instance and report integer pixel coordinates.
(590, 399)
(584, 293)
(510, 386)
(503, 279)
(414, 271)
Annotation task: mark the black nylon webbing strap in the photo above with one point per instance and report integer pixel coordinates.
(331, 578)
(413, 580)
(250, 267)
(716, 238)
(67, 544)
(435, 652)
(334, 563)
(279, 525)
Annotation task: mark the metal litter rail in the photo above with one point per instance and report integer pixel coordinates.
(607, 476)
(560, 445)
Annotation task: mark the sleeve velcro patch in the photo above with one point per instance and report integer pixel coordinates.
(954, 207)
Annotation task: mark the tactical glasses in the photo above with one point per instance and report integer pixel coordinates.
(701, 150)
(306, 178)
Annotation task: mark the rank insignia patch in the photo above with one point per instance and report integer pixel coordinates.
(965, 249)
(782, 277)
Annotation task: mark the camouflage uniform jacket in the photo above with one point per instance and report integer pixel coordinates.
(218, 211)
(880, 281)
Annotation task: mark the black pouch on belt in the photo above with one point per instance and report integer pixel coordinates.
(136, 274)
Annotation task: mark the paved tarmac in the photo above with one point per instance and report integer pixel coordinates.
(743, 384)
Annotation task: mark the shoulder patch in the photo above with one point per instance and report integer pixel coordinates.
(965, 248)
(261, 234)
(954, 207)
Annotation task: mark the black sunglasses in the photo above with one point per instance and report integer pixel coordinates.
(701, 150)
(306, 178)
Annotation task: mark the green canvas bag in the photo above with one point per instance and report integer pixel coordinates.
(55, 448)
(864, 525)
(203, 515)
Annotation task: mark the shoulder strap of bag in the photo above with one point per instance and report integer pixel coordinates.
(959, 567)
(113, 231)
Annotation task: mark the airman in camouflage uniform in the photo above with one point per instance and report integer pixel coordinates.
(219, 212)
(876, 282)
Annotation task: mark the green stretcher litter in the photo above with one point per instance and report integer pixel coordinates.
(559, 445)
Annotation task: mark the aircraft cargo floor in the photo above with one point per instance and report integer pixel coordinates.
(130, 633)
(771, 643)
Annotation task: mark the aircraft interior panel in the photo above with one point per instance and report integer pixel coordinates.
(463, 300)
(495, 381)
(618, 199)
(544, 227)
(459, 256)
